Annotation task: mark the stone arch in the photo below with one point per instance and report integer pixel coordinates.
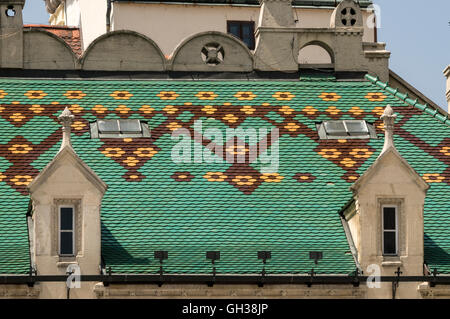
(347, 15)
(321, 45)
(123, 50)
(46, 51)
(212, 51)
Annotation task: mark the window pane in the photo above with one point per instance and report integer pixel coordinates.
(357, 128)
(108, 126)
(234, 29)
(247, 41)
(244, 30)
(335, 128)
(247, 35)
(389, 218)
(247, 30)
(389, 243)
(66, 242)
(130, 126)
(66, 218)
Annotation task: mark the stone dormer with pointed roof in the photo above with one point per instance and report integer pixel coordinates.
(388, 223)
(66, 197)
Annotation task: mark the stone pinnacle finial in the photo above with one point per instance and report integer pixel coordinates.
(66, 119)
(388, 118)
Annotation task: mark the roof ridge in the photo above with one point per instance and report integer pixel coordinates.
(439, 114)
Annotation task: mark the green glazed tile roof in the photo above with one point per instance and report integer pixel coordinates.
(190, 208)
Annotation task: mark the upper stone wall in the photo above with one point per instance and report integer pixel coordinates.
(278, 43)
(59, 55)
(123, 51)
(212, 52)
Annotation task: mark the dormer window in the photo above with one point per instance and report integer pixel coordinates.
(66, 231)
(390, 230)
(119, 128)
(346, 129)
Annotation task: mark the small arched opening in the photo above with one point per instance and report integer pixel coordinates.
(316, 55)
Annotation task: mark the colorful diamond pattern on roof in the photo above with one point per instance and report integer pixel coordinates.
(228, 205)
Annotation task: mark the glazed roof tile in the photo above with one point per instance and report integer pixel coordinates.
(187, 209)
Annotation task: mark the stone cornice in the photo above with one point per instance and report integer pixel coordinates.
(229, 291)
(262, 1)
(377, 54)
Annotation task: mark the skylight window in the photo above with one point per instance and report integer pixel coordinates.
(346, 129)
(121, 128)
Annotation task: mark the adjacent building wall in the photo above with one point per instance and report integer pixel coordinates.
(169, 24)
(67, 14)
(73, 14)
(93, 20)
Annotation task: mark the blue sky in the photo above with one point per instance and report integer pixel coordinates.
(417, 33)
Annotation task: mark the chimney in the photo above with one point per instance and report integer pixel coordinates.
(276, 41)
(11, 33)
(447, 90)
(276, 13)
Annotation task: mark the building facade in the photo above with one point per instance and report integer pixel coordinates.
(218, 171)
(169, 23)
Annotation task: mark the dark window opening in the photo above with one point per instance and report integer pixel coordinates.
(389, 230)
(244, 30)
(66, 231)
(10, 12)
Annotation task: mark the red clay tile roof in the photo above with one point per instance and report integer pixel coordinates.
(71, 35)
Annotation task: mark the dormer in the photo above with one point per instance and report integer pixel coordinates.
(388, 225)
(66, 198)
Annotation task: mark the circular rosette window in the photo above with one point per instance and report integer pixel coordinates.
(213, 54)
(348, 17)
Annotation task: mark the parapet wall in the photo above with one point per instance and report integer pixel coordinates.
(277, 47)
